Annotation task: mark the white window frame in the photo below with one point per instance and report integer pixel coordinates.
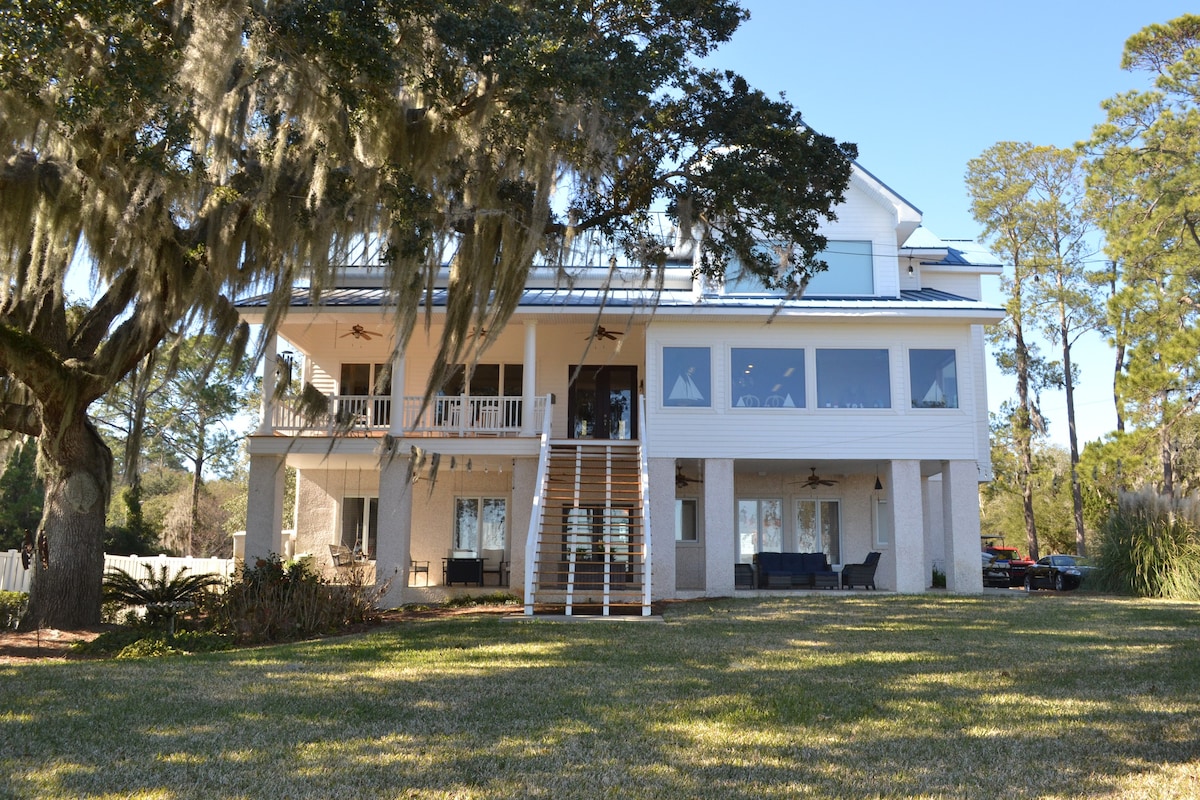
(457, 543)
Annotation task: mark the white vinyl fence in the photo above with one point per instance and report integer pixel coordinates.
(15, 578)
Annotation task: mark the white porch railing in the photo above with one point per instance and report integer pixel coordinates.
(442, 416)
(15, 578)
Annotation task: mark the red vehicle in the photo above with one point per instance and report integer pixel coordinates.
(1008, 566)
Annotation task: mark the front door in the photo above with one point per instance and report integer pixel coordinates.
(600, 403)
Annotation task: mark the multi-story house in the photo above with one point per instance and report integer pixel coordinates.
(616, 443)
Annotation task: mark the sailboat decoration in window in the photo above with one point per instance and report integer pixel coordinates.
(685, 389)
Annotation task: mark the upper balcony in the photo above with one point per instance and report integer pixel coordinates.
(446, 416)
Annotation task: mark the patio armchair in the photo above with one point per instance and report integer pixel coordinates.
(861, 574)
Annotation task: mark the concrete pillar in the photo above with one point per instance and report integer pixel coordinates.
(264, 507)
(661, 520)
(720, 526)
(960, 521)
(270, 364)
(907, 572)
(392, 561)
(523, 479)
(529, 381)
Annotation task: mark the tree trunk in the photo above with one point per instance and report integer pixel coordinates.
(68, 563)
(1023, 433)
(1073, 435)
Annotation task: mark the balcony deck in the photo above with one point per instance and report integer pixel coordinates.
(371, 415)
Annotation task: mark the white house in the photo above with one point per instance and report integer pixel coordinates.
(613, 446)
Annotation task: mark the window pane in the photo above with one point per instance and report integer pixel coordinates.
(493, 523)
(831, 531)
(685, 520)
(806, 526)
(373, 527)
(772, 525)
(747, 522)
(485, 380)
(687, 376)
(766, 377)
(466, 524)
(851, 271)
(883, 524)
(353, 520)
(933, 378)
(853, 379)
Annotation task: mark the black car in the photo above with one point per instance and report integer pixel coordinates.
(1054, 572)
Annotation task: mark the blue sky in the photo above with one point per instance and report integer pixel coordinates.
(922, 87)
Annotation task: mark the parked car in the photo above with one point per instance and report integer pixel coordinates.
(995, 574)
(1057, 572)
(1010, 560)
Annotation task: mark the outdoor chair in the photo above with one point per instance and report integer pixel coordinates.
(342, 556)
(861, 574)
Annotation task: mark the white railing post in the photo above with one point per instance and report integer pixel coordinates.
(535, 515)
(644, 487)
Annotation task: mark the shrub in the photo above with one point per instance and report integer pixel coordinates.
(1150, 547)
(279, 601)
(12, 606)
(162, 595)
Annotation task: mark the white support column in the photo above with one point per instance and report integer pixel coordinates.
(396, 420)
(270, 364)
(264, 507)
(908, 531)
(960, 520)
(720, 526)
(394, 551)
(529, 380)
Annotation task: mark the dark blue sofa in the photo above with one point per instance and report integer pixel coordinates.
(793, 570)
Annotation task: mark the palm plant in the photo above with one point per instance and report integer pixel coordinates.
(162, 595)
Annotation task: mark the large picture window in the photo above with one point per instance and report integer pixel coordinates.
(479, 524)
(853, 379)
(933, 378)
(760, 527)
(687, 376)
(851, 272)
(819, 528)
(766, 377)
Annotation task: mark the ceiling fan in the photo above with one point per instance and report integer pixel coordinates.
(359, 332)
(602, 332)
(815, 480)
(682, 481)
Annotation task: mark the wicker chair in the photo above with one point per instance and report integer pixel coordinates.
(861, 574)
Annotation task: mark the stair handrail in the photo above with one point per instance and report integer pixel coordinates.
(536, 512)
(644, 488)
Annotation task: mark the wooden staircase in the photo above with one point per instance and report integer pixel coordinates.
(591, 555)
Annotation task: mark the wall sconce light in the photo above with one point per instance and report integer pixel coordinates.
(878, 484)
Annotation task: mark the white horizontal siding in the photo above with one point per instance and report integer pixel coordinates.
(724, 431)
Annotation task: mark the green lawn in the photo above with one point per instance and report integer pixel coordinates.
(824, 696)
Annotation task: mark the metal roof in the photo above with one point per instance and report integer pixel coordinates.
(638, 298)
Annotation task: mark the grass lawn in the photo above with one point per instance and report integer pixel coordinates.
(846, 696)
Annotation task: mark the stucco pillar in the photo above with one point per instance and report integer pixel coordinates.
(661, 521)
(523, 479)
(270, 365)
(529, 381)
(396, 420)
(264, 507)
(395, 530)
(720, 526)
(960, 521)
(907, 572)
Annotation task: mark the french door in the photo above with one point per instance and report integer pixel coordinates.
(600, 403)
